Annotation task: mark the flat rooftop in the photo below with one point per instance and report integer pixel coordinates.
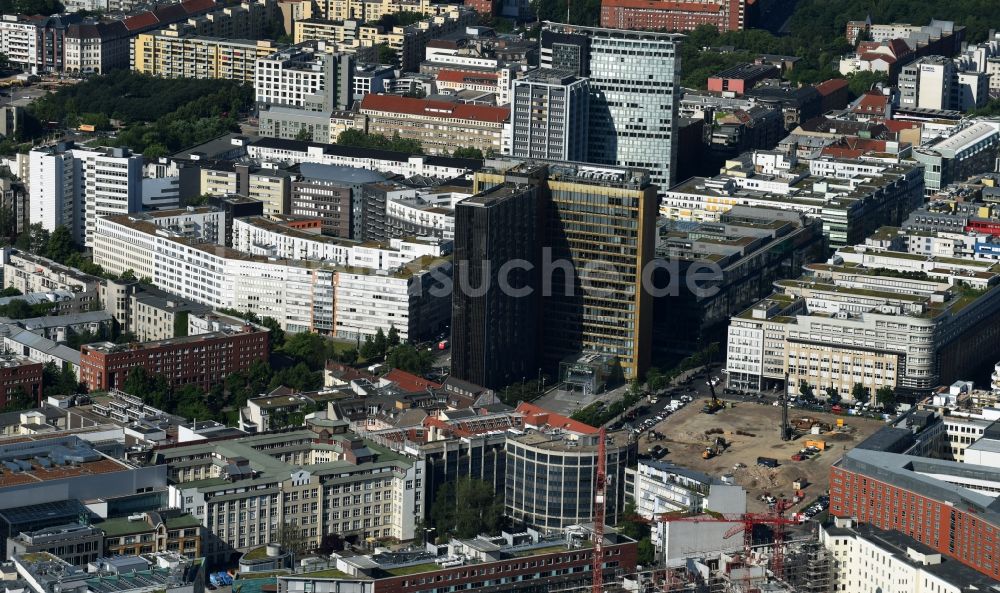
(111, 347)
(31, 460)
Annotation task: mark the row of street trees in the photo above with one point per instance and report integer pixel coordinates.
(885, 396)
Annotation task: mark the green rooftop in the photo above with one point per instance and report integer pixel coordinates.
(416, 568)
(256, 554)
(122, 526)
(183, 521)
(329, 573)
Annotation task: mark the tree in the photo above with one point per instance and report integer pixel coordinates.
(191, 403)
(9, 292)
(17, 309)
(308, 347)
(408, 358)
(645, 552)
(381, 342)
(833, 395)
(349, 356)
(305, 133)
(392, 340)
(60, 245)
(277, 334)
(360, 139)
(860, 83)
(806, 390)
(468, 153)
(368, 349)
(886, 397)
(635, 527)
(655, 380)
(387, 55)
(34, 240)
(291, 538)
(466, 509)
(860, 393)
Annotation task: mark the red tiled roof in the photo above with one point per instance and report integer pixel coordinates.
(467, 77)
(429, 108)
(898, 47)
(140, 21)
(896, 126)
(191, 6)
(540, 417)
(872, 56)
(842, 153)
(170, 13)
(831, 86)
(872, 103)
(409, 381)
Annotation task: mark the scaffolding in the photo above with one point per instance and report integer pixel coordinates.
(807, 568)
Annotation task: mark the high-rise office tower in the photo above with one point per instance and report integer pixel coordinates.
(597, 236)
(549, 114)
(634, 84)
(495, 303)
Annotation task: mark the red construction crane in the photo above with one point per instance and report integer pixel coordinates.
(600, 487)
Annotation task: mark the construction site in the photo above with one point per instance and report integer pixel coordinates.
(807, 568)
(743, 441)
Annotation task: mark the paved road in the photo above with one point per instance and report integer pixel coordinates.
(21, 97)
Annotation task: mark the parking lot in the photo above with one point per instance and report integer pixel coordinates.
(751, 430)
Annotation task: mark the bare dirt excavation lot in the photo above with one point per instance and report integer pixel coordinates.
(752, 430)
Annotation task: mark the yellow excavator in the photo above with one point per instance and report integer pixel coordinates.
(713, 405)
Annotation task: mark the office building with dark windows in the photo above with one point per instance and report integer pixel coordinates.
(597, 237)
(495, 338)
(634, 79)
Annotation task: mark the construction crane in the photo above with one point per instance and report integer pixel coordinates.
(786, 430)
(600, 487)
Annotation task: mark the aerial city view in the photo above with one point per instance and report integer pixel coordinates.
(526, 296)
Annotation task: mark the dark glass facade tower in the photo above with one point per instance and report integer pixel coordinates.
(495, 302)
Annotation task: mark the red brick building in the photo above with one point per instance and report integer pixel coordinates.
(742, 78)
(482, 6)
(201, 360)
(685, 15)
(922, 498)
(19, 372)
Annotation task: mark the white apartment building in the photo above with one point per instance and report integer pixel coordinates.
(112, 184)
(869, 560)
(409, 299)
(293, 152)
(18, 41)
(266, 236)
(300, 295)
(304, 77)
(53, 190)
(74, 186)
(424, 212)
